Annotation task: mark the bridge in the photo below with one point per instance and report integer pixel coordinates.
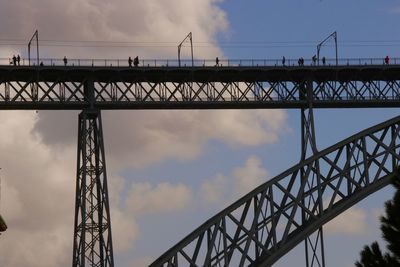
(262, 226)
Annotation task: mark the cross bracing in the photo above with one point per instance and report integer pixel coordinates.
(266, 223)
(198, 87)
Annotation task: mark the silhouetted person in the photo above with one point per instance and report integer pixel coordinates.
(65, 61)
(323, 60)
(299, 61)
(314, 59)
(216, 61)
(14, 59)
(41, 64)
(302, 61)
(387, 60)
(18, 60)
(136, 61)
(283, 61)
(130, 61)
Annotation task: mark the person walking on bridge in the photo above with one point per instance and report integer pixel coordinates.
(130, 61)
(65, 61)
(136, 61)
(314, 60)
(387, 60)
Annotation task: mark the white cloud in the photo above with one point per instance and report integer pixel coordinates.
(214, 190)
(251, 175)
(141, 262)
(37, 196)
(351, 222)
(377, 214)
(146, 137)
(125, 230)
(151, 21)
(144, 198)
(394, 10)
(223, 190)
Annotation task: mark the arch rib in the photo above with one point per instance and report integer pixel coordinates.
(266, 223)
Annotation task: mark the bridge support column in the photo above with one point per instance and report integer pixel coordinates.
(92, 233)
(314, 244)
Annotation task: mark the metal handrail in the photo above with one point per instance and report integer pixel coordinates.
(99, 62)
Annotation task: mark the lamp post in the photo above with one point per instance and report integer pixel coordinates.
(34, 37)
(334, 36)
(189, 36)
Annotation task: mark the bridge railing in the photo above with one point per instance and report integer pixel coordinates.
(198, 62)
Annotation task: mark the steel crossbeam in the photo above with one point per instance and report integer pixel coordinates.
(265, 224)
(198, 88)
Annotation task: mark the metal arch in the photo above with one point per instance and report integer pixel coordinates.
(266, 223)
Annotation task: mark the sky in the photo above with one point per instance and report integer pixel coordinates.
(201, 161)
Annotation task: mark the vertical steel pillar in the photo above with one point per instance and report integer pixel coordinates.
(314, 244)
(92, 234)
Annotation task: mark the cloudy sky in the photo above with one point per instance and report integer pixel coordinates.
(199, 160)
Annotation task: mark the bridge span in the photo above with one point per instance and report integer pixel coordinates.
(273, 218)
(59, 87)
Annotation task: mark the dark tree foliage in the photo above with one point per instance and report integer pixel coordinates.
(372, 256)
(391, 222)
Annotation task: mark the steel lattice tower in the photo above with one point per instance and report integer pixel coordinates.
(92, 231)
(314, 244)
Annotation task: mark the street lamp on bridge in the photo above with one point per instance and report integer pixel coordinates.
(334, 36)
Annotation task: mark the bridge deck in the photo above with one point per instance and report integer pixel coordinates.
(69, 87)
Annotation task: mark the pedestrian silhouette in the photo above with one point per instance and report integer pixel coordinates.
(216, 61)
(18, 60)
(14, 59)
(136, 61)
(323, 60)
(130, 61)
(283, 61)
(387, 60)
(65, 61)
(314, 59)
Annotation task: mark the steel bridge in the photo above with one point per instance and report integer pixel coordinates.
(262, 226)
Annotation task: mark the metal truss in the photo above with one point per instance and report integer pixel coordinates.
(314, 243)
(266, 223)
(92, 232)
(198, 88)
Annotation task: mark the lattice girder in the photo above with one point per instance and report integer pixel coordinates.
(227, 87)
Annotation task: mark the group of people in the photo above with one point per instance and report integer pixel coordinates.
(135, 61)
(16, 60)
(300, 61)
